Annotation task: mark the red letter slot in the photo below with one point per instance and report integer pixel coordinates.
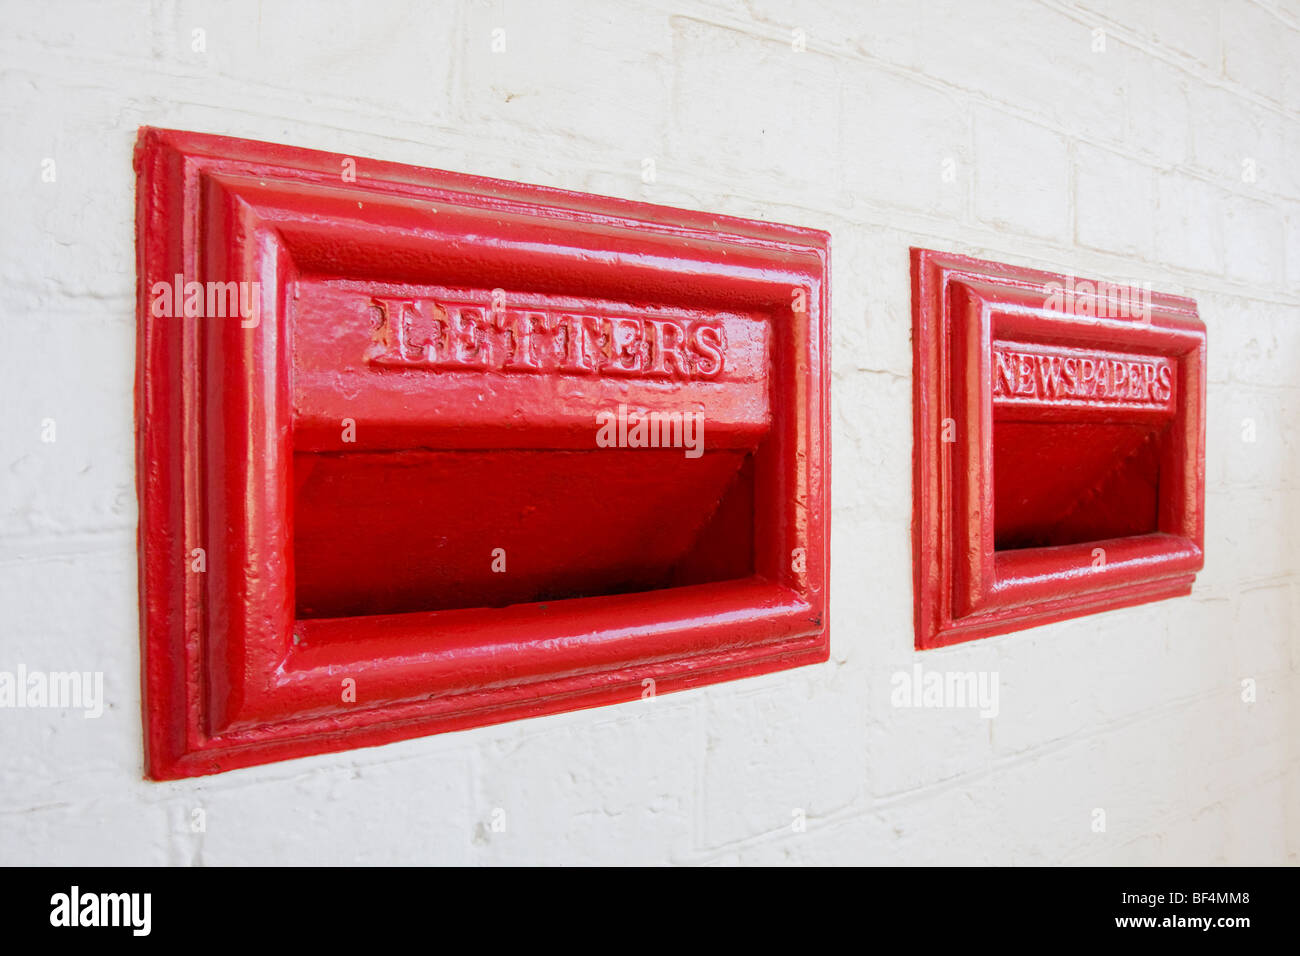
(1059, 447)
(421, 451)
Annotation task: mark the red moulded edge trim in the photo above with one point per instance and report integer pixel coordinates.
(966, 587)
(230, 677)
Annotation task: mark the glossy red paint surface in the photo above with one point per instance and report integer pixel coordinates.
(392, 467)
(1059, 457)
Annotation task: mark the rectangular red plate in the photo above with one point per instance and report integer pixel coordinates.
(1059, 432)
(378, 498)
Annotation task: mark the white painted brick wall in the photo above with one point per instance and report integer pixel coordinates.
(1127, 163)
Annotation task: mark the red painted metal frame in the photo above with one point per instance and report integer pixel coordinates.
(232, 675)
(966, 587)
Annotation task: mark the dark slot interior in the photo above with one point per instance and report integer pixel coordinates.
(1058, 484)
(395, 532)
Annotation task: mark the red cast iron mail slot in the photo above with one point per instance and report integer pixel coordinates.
(1059, 447)
(421, 451)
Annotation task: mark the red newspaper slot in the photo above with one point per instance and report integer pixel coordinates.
(421, 451)
(1059, 447)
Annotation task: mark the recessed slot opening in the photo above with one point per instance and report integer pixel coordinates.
(1058, 483)
(397, 532)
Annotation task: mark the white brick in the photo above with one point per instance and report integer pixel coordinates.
(1257, 341)
(1251, 815)
(413, 812)
(874, 313)
(1113, 199)
(1241, 413)
(869, 442)
(1291, 228)
(761, 769)
(569, 70)
(1262, 635)
(751, 107)
(905, 143)
(1239, 142)
(1188, 217)
(1158, 115)
(1247, 537)
(1029, 57)
(1022, 175)
(391, 58)
(1261, 51)
(1189, 28)
(1252, 238)
(84, 832)
(67, 460)
(620, 784)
